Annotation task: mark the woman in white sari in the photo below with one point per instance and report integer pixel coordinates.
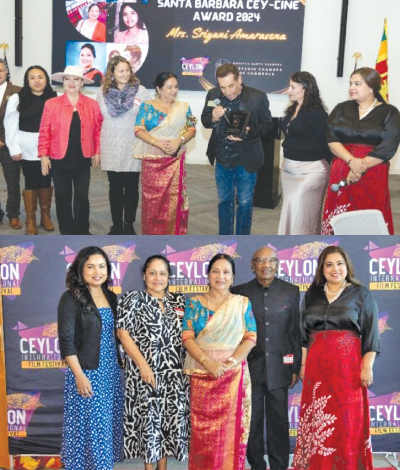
(163, 127)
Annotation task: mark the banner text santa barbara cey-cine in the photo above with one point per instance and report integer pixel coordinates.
(220, 31)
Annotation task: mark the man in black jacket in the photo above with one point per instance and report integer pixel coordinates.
(275, 362)
(11, 167)
(237, 160)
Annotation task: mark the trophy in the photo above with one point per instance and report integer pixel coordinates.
(237, 121)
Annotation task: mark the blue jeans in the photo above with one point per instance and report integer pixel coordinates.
(229, 179)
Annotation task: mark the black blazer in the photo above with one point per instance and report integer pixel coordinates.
(79, 330)
(276, 310)
(261, 126)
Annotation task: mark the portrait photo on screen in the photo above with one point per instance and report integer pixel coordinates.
(89, 18)
(125, 24)
(135, 53)
(88, 55)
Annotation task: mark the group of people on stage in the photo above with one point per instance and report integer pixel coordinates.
(125, 131)
(203, 376)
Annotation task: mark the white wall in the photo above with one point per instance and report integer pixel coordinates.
(320, 48)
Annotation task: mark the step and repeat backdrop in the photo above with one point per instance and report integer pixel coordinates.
(33, 278)
(188, 37)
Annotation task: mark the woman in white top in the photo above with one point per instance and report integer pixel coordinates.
(119, 99)
(21, 123)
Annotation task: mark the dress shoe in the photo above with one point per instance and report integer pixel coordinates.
(129, 229)
(115, 230)
(15, 224)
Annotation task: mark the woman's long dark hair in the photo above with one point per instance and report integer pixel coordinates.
(121, 25)
(319, 279)
(25, 94)
(312, 98)
(77, 286)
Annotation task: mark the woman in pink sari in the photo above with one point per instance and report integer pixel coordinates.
(219, 330)
(163, 128)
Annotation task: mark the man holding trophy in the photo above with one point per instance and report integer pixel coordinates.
(239, 117)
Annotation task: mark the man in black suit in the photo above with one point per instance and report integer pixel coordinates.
(275, 362)
(237, 160)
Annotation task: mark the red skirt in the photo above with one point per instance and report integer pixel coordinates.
(333, 431)
(371, 192)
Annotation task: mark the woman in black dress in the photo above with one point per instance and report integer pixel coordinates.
(340, 342)
(364, 134)
(156, 397)
(305, 170)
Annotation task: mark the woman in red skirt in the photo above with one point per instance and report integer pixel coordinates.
(363, 134)
(340, 342)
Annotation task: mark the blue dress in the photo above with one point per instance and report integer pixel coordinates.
(93, 427)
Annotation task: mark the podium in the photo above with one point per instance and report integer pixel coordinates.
(267, 192)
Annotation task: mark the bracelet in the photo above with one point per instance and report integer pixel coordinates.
(349, 161)
(233, 360)
(203, 359)
(152, 142)
(183, 139)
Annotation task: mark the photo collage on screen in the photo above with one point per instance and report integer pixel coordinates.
(108, 29)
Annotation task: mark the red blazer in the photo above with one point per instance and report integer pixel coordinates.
(56, 122)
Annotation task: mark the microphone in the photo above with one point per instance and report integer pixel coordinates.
(218, 103)
(336, 186)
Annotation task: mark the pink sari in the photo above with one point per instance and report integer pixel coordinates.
(165, 205)
(220, 408)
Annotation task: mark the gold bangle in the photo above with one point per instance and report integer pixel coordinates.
(203, 359)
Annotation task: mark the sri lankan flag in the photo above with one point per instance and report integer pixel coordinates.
(382, 63)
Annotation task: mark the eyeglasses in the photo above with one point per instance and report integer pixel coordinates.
(265, 260)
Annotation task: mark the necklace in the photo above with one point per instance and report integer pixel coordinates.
(225, 316)
(208, 298)
(97, 299)
(368, 110)
(160, 300)
(335, 294)
(164, 107)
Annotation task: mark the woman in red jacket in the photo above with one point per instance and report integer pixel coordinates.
(69, 142)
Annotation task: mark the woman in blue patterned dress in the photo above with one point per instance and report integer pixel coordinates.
(163, 128)
(157, 399)
(93, 394)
